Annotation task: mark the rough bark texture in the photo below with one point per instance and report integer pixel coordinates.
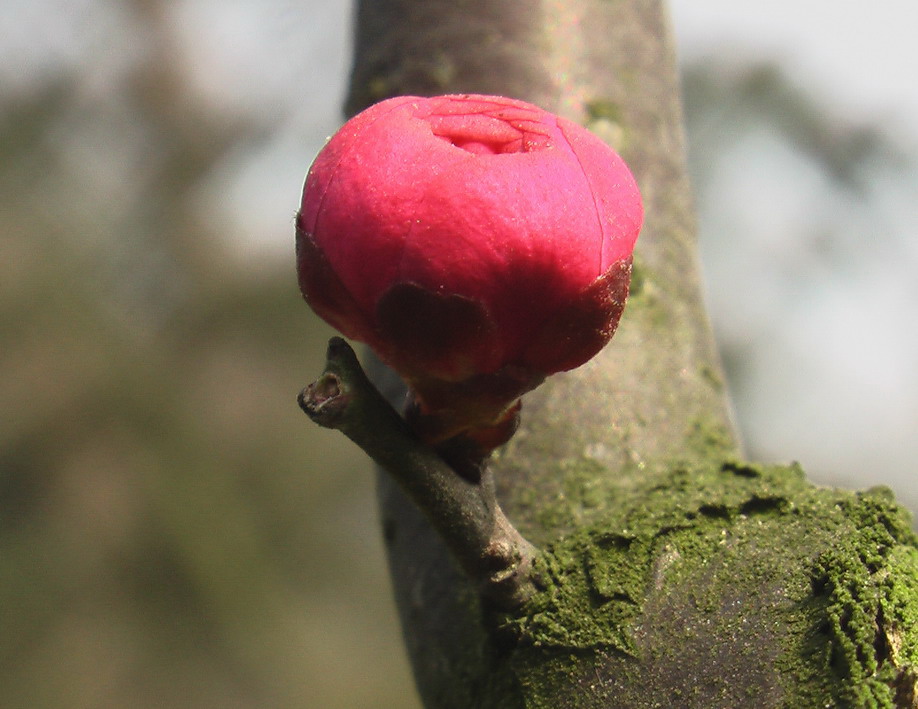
(674, 575)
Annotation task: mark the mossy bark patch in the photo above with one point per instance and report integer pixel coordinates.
(865, 590)
(731, 585)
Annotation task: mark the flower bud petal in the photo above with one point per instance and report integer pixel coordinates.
(468, 237)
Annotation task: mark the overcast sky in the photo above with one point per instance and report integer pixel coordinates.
(832, 375)
(861, 57)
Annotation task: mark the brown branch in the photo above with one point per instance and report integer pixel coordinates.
(675, 576)
(464, 512)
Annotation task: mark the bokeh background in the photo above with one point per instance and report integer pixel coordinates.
(173, 531)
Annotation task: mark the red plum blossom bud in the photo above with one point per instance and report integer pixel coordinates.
(476, 243)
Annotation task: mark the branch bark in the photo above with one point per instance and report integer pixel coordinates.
(677, 576)
(610, 66)
(464, 512)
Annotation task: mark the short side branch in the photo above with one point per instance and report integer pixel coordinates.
(464, 512)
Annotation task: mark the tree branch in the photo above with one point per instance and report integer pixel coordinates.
(673, 575)
(464, 512)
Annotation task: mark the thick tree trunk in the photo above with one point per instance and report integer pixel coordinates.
(673, 575)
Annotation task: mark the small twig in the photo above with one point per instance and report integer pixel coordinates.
(464, 512)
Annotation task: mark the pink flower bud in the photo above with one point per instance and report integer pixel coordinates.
(476, 243)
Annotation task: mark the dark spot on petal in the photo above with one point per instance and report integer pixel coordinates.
(576, 333)
(325, 292)
(444, 335)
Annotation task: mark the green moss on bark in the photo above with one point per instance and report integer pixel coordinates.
(747, 566)
(866, 587)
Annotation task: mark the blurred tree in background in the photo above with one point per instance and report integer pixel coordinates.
(808, 222)
(173, 532)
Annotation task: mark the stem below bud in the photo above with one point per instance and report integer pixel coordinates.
(462, 508)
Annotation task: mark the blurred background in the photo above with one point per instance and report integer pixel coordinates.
(173, 531)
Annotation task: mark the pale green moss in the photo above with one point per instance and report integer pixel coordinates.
(604, 118)
(645, 299)
(604, 109)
